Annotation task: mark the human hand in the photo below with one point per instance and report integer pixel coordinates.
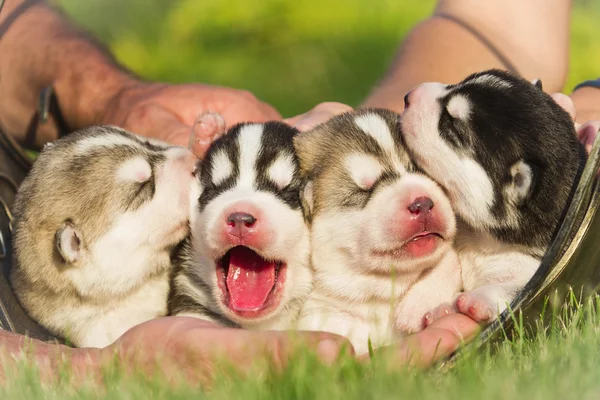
(195, 349)
(587, 131)
(434, 343)
(317, 115)
(168, 112)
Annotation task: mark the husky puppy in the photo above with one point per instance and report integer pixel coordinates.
(96, 221)
(381, 231)
(246, 262)
(508, 156)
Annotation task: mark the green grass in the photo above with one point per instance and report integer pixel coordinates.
(563, 363)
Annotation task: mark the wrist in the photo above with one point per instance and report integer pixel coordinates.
(587, 103)
(85, 98)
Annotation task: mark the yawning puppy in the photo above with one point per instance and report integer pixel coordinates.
(508, 157)
(381, 231)
(246, 263)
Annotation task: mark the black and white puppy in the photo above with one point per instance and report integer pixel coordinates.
(246, 262)
(381, 231)
(508, 157)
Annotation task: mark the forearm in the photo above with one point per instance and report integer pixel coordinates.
(531, 35)
(40, 49)
(49, 359)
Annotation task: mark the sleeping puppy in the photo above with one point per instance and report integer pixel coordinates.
(508, 157)
(97, 219)
(381, 231)
(246, 261)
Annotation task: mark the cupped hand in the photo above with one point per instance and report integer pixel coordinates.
(436, 342)
(167, 112)
(185, 347)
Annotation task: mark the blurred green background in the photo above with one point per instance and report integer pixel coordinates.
(290, 53)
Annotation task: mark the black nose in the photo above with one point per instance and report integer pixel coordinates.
(421, 205)
(406, 100)
(239, 219)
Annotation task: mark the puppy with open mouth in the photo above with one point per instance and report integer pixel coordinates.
(381, 231)
(246, 261)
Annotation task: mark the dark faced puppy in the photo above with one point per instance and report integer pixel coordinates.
(246, 263)
(508, 157)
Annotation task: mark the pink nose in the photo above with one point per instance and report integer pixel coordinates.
(241, 224)
(421, 206)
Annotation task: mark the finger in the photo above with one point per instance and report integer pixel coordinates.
(207, 127)
(437, 341)
(319, 114)
(587, 134)
(566, 103)
(244, 347)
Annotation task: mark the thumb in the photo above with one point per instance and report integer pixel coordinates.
(565, 102)
(207, 127)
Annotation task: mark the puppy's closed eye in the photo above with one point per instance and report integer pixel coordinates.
(364, 170)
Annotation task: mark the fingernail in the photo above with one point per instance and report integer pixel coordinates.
(328, 351)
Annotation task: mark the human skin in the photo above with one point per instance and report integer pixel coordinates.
(192, 349)
(41, 48)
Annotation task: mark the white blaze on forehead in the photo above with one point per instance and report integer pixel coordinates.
(490, 80)
(221, 167)
(376, 126)
(459, 107)
(106, 141)
(281, 172)
(135, 169)
(364, 169)
(249, 139)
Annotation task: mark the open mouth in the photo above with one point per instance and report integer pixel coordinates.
(251, 285)
(421, 244)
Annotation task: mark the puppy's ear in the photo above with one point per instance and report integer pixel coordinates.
(308, 147)
(537, 83)
(519, 188)
(68, 243)
(307, 199)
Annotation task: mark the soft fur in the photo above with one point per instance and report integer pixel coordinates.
(96, 221)
(360, 184)
(252, 169)
(508, 157)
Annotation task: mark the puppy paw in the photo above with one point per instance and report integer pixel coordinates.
(208, 127)
(409, 320)
(475, 306)
(439, 312)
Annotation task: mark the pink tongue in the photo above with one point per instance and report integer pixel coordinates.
(250, 279)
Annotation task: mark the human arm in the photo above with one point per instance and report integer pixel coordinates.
(532, 36)
(42, 48)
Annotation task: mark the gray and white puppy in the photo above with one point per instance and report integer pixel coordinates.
(508, 157)
(96, 221)
(246, 262)
(381, 231)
